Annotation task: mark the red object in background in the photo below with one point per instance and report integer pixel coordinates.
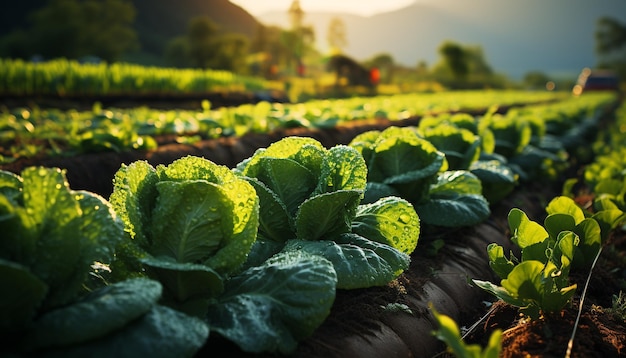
(301, 70)
(374, 76)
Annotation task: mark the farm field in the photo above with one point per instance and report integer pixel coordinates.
(445, 167)
(297, 179)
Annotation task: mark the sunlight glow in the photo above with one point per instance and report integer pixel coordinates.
(357, 7)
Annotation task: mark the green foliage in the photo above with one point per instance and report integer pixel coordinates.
(55, 239)
(402, 163)
(192, 221)
(269, 308)
(205, 47)
(538, 282)
(311, 201)
(43, 221)
(75, 29)
(191, 226)
(448, 332)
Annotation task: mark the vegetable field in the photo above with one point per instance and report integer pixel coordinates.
(360, 227)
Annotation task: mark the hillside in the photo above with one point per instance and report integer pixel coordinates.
(555, 36)
(158, 21)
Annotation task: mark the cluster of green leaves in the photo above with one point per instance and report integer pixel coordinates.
(178, 251)
(258, 251)
(56, 244)
(469, 145)
(604, 177)
(402, 163)
(311, 202)
(538, 282)
(191, 226)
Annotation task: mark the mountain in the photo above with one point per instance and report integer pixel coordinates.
(516, 36)
(158, 21)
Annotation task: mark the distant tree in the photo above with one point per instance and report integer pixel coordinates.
(336, 35)
(296, 15)
(272, 47)
(535, 79)
(477, 64)
(464, 67)
(300, 38)
(456, 59)
(177, 52)
(610, 35)
(422, 67)
(230, 53)
(611, 45)
(201, 35)
(74, 29)
(204, 47)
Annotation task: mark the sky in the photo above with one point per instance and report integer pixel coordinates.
(358, 7)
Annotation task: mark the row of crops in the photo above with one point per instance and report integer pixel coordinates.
(70, 78)
(256, 253)
(35, 132)
(573, 235)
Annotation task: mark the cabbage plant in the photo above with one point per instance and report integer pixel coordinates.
(310, 199)
(468, 148)
(402, 163)
(538, 281)
(190, 226)
(55, 248)
(522, 144)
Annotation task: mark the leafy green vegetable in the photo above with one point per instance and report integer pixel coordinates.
(55, 240)
(51, 237)
(96, 315)
(401, 163)
(539, 282)
(191, 224)
(269, 308)
(496, 178)
(461, 146)
(311, 200)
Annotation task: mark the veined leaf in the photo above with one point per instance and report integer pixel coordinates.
(327, 215)
(501, 265)
(187, 220)
(525, 281)
(391, 220)
(101, 312)
(344, 169)
(292, 191)
(398, 161)
(271, 307)
(308, 152)
(133, 197)
(454, 210)
(497, 179)
(183, 282)
(275, 223)
(160, 332)
(565, 205)
(359, 262)
(525, 231)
